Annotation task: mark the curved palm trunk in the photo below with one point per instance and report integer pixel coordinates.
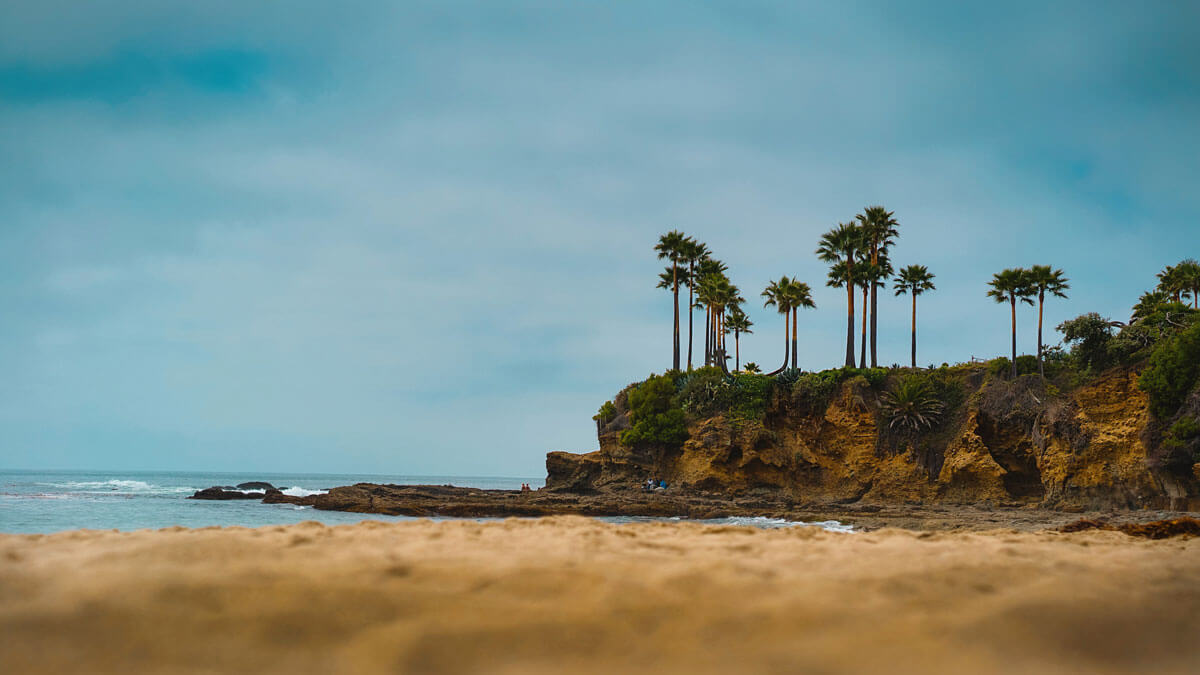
(1041, 307)
(795, 350)
(675, 291)
(914, 330)
(786, 340)
(1013, 301)
(862, 359)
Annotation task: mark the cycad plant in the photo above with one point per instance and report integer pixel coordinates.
(1042, 280)
(911, 406)
(914, 280)
(1010, 286)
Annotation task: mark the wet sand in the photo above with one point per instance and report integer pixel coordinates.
(570, 594)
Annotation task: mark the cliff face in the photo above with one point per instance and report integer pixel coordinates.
(1009, 443)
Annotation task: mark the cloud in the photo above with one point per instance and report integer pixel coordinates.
(418, 239)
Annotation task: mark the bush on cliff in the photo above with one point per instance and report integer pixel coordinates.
(1172, 373)
(912, 405)
(655, 417)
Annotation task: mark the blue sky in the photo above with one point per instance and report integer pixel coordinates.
(416, 237)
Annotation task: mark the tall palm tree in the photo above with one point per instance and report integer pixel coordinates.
(1042, 280)
(704, 269)
(799, 294)
(839, 246)
(672, 246)
(1010, 286)
(693, 253)
(870, 277)
(717, 293)
(738, 323)
(880, 229)
(777, 296)
(914, 280)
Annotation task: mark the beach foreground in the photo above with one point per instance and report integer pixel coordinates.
(570, 594)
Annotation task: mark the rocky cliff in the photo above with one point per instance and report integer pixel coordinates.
(1007, 442)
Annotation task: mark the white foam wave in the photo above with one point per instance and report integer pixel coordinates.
(774, 523)
(302, 492)
(117, 486)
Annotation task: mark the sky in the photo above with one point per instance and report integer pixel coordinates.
(416, 238)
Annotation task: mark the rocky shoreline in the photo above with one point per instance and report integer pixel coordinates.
(460, 502)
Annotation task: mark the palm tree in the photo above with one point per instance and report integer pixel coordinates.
(717, 294)
(870, 277)
(672, 246)
(839, 246)
(799, 294)
(704, 269)
(738, 323)
(693, 253)
(777, 296)
(1171, 281)
(914, 280)
(1042, 280)
(1010, 286)
(1189, 278)
(879, 227)
(1148, 304)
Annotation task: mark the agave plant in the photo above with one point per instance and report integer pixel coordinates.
(788, 377)
(912, 406)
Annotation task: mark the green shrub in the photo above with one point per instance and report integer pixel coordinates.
(815, 389)
(999, 366)
(606, 414)
(1089, 336)
(1172, 373)
(654, 418)
(1184, 430)
(752, 396)
(705, 391)
(751, 367)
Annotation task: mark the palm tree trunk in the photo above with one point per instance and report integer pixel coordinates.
(708, 336)
(849, 324)
(863, 358)
(914, 331)
(874, 324)
(786, 340)
(675, 287)
(795, 351)
(1013, 300)
(1041, 307)
(691, 310)
(737, 352)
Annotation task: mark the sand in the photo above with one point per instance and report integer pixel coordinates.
(570, 594)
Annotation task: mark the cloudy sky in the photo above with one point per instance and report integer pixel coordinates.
(415, 238)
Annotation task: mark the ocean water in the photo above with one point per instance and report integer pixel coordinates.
(52, 501)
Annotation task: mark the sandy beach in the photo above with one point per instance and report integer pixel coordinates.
(570, 594)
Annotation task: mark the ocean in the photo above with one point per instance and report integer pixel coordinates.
(53, 501)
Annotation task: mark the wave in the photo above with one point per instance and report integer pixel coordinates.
(775, 523)
(302, 492)
(117, 486)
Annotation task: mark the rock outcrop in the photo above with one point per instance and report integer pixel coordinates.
(1016, 443)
